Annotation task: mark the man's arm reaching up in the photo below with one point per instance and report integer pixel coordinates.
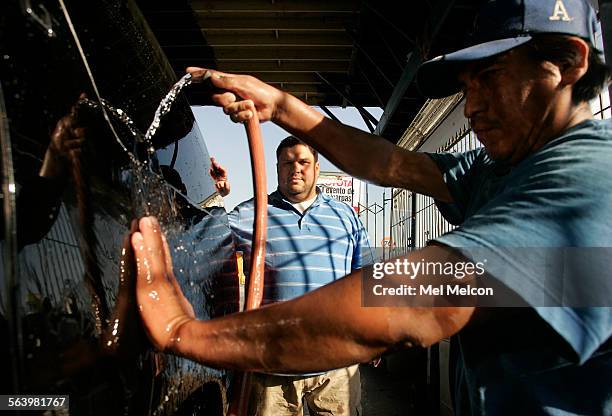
(356, 152)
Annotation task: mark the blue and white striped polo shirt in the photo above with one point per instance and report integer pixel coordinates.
(303, 251)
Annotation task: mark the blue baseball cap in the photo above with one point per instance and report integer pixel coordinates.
(503, 25)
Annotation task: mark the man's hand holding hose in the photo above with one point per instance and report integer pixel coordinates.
(239, 92)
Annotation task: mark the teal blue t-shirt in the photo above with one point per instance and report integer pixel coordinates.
(560, 196)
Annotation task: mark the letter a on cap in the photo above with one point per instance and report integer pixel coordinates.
(560, 12)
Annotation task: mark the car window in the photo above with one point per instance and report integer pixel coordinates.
(74, 176)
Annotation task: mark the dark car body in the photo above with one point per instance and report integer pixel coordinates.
(68, 313)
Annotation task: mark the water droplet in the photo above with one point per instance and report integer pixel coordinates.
(115, 327)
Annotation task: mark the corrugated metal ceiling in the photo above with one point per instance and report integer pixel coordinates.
(326, 52)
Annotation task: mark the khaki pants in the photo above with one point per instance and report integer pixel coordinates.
(334, 393)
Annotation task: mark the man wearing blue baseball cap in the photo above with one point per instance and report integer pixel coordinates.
(543, 179)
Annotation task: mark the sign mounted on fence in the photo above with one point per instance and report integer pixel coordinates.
(341, 187)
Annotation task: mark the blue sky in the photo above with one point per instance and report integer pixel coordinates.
(227, 143)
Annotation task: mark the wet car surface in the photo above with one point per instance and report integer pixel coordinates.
(69, 316)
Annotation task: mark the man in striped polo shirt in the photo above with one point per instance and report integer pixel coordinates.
(312, 240)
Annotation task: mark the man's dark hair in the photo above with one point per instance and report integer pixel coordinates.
(556, 49)
(294, 141)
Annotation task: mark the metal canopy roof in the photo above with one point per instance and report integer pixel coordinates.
(326, 52)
